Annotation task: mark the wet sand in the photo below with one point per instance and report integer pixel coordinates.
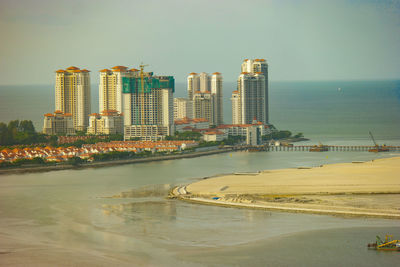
(353, 189)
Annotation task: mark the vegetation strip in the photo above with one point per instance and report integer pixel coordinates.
(111, 162)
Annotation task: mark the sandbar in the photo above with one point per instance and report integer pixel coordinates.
(370, 188)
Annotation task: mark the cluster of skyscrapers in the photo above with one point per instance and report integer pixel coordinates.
(204, 98)
(141, 105)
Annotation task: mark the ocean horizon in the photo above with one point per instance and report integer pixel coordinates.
(319, 109)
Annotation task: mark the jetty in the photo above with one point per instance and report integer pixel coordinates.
(327, 148)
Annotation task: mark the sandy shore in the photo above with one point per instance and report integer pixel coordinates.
(361, 189)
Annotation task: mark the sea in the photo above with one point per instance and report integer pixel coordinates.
(123, 212)
(328, 110)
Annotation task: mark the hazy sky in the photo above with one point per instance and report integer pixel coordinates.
(301, 40)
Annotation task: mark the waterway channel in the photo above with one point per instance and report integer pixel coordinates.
(123, 212)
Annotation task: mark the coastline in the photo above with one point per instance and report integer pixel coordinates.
(368, 189)
(110, 163)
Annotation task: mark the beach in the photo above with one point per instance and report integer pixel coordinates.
(370, 188)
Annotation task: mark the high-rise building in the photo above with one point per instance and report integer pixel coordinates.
(183, 108)
(259, 66)
(73, 95)
(248, 100)
(193, 84)
(203, 106)
(204, 82)
(206, 94)
(236, 108)
(148, 107)
(110, 87)
(216, 91)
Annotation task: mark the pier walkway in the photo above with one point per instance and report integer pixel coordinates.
(308, 147)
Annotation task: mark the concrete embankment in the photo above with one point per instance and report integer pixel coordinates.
(23, 169)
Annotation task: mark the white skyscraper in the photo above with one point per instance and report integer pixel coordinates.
(183, 108)
(203, 106)
(73, 95)
(236, 108)
(193, 84)
(110, 87)
(216, 91)
(206, 94)
(204, 82)
(248, 100)
(259, 66)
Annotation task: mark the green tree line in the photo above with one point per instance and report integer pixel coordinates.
(276, 135)
(20, 132)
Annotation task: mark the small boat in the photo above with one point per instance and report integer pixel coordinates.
(319, 148)
(379, 149)
(388, 244)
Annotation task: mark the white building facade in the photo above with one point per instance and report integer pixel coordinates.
(183, 108)
(110, 87)
(108, 122)
(248, 100)
(187, 124)
(206, 93)
(58, 123)
(259, 66)
(72, 95)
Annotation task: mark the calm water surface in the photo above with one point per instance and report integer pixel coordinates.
(71, 209)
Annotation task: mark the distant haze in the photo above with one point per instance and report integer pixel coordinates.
(301, 40)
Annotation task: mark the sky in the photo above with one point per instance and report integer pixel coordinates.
(301, 40)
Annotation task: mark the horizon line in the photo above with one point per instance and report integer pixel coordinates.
(327, 80)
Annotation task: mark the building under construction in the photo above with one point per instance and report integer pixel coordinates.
(148, 106)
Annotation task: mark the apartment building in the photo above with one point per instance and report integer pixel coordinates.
(107, 122)
(72, 95)
(148, 107)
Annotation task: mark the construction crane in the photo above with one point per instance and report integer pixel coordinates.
(142, 93)
(377, 147)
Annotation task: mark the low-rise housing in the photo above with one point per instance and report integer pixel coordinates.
(74, 138)
(187, 124)
(64, 153)
(214, 135)
(58, 123)
(253, 132)
(108, 122)
(241, 129)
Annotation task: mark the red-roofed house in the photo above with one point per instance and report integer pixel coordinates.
(183, 124)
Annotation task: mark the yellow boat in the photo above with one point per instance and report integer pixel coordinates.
(388, 244)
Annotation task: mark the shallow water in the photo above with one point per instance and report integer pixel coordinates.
(74, 208)
(122, 211)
